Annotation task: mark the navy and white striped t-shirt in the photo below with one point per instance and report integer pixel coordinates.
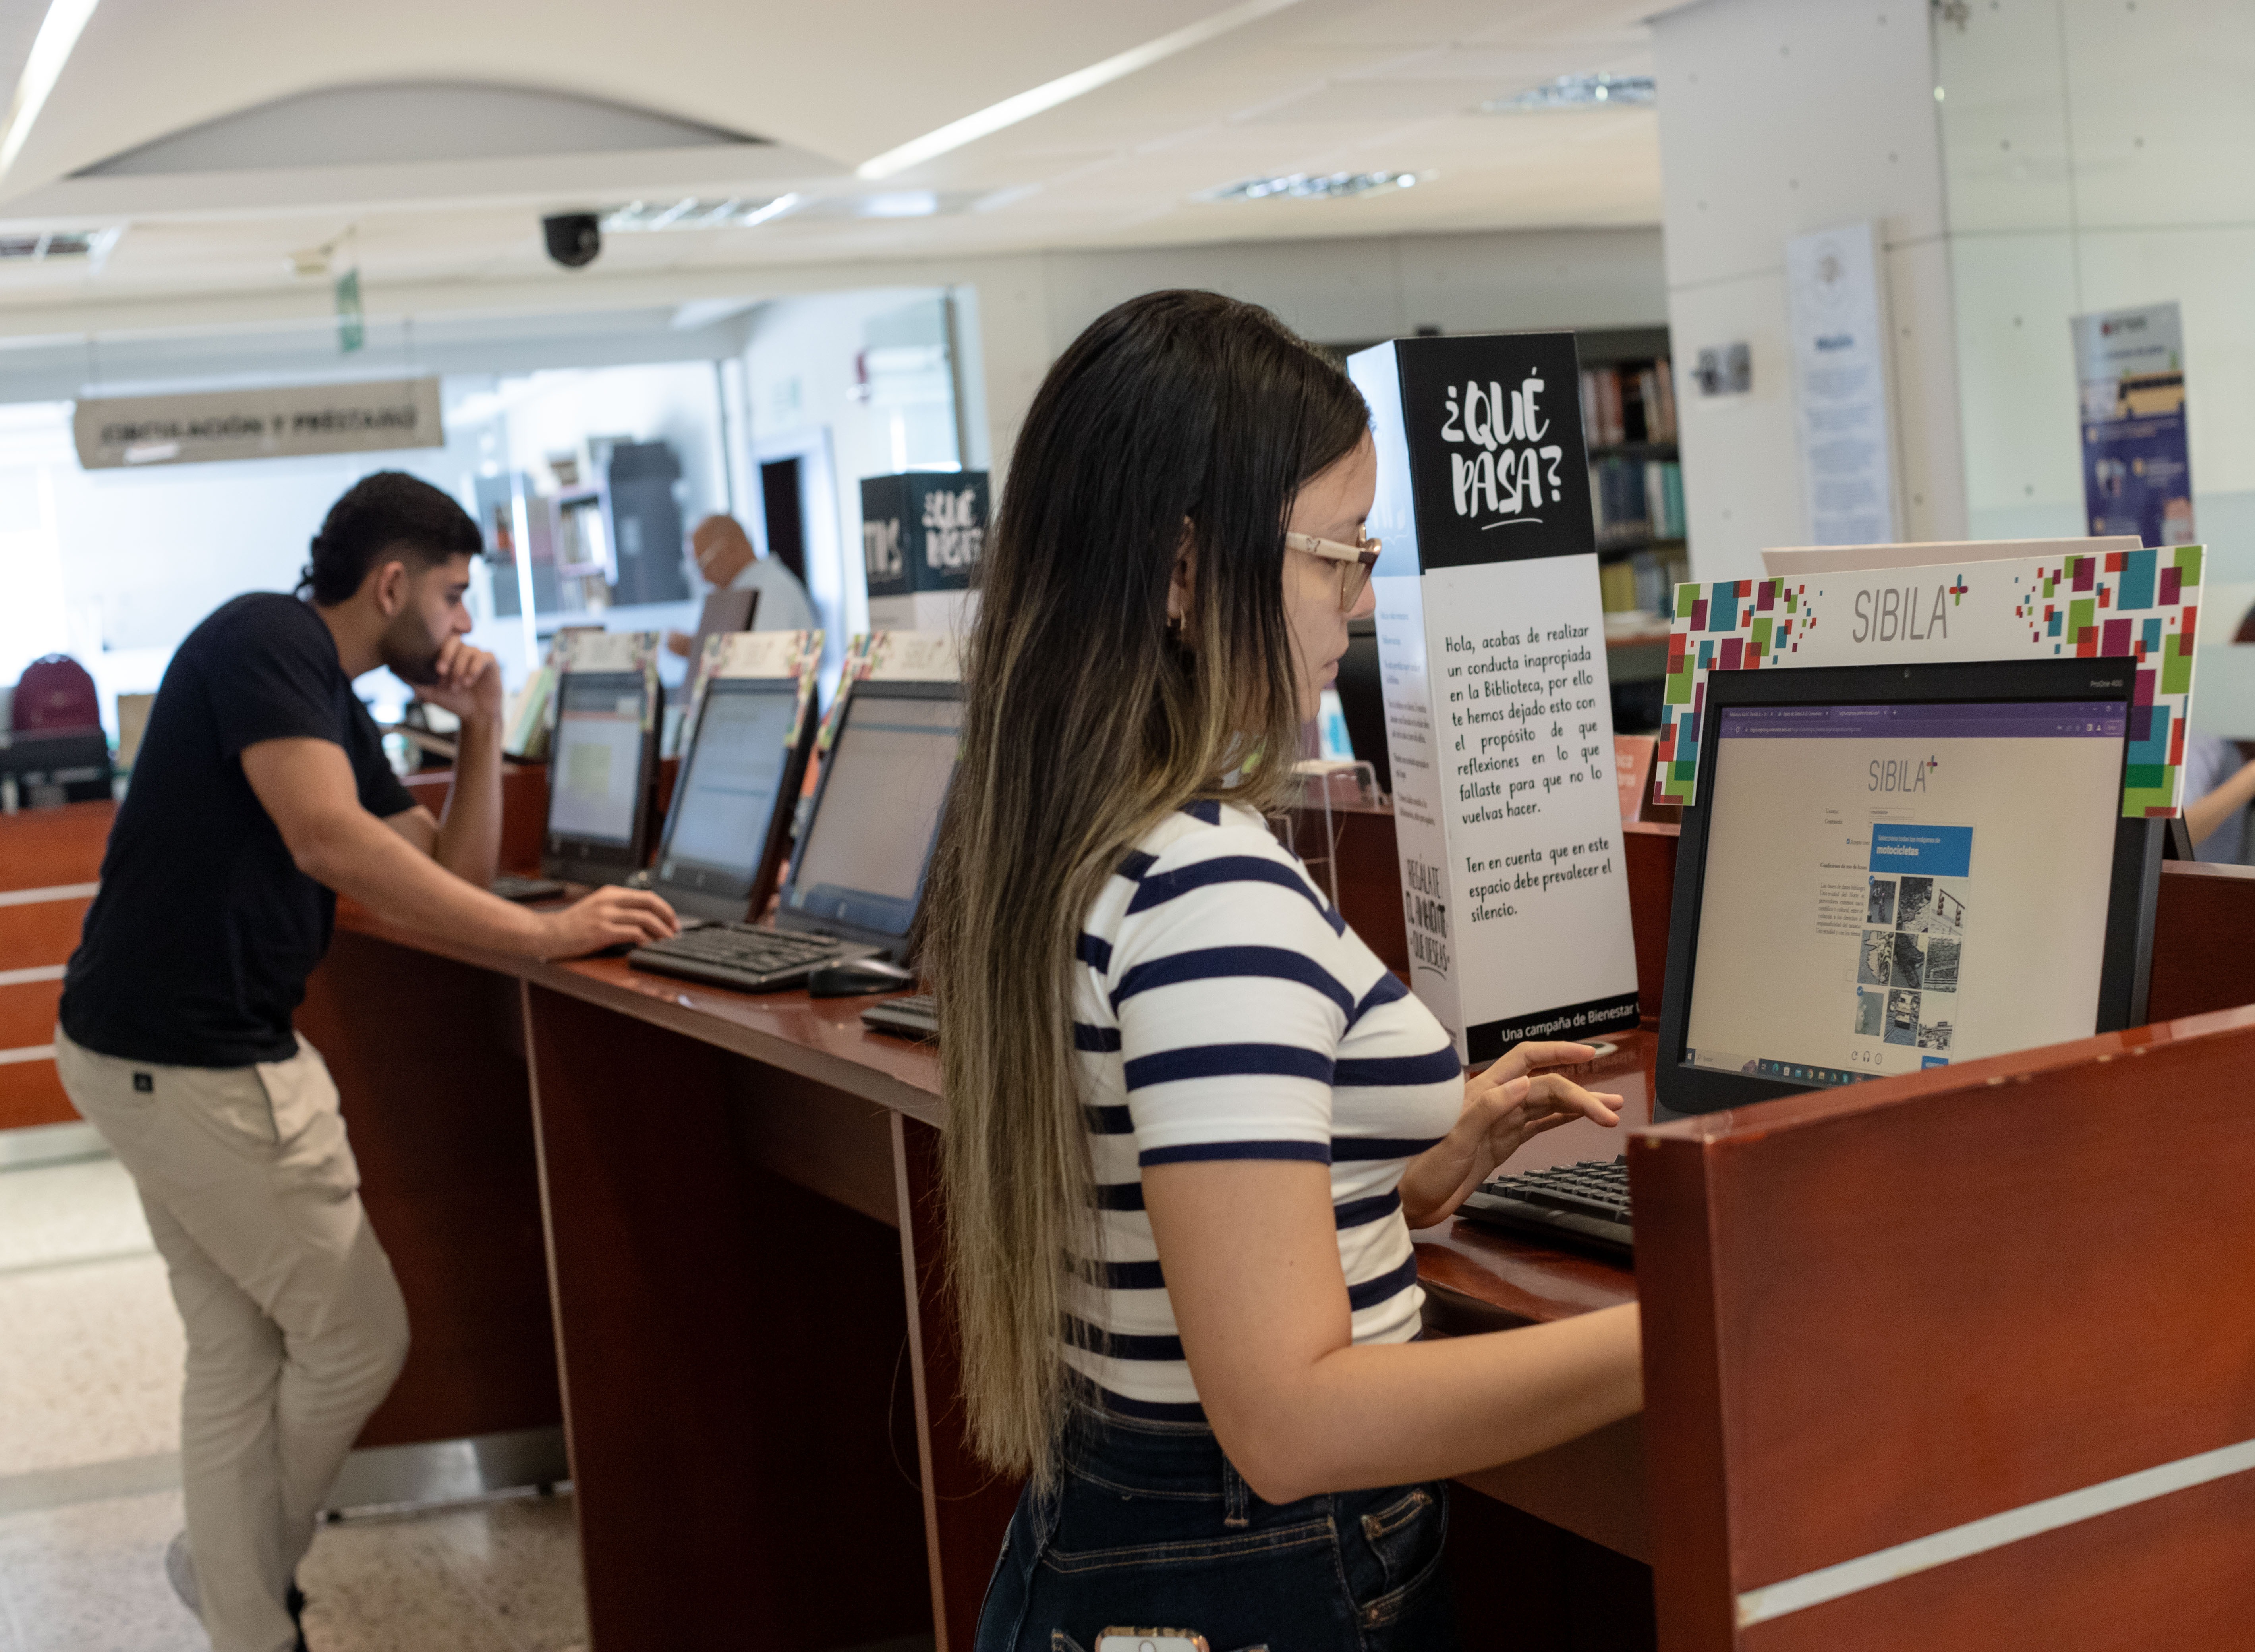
(1224, 1011)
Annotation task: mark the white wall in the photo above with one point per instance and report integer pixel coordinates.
(1778, 117)
(2096, 155)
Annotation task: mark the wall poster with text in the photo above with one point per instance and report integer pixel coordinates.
(2137, 457)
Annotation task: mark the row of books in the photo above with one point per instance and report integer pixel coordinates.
(1630, 402)
(1634, 502)
(1645, 583)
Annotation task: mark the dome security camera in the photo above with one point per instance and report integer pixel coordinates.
(573, 238)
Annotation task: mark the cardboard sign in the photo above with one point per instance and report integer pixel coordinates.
(590, 650)
(921, 536)
(1490, 634)
(2140, 606)
(761, 653)
(892, 656)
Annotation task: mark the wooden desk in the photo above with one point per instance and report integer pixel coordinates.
(739, 1249)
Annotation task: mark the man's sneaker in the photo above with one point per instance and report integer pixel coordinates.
(181, 1569)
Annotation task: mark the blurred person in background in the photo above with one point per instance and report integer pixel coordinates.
(726, 557)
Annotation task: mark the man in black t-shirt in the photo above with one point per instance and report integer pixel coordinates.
(260, 793)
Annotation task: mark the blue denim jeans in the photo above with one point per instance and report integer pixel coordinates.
(1151, 1526)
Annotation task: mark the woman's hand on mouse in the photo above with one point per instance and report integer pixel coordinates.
(1506, 1105)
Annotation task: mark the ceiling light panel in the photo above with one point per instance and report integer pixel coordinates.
(734, 212)
(1314, 186)
(1578, 92)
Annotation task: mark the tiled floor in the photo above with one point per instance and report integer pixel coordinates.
(89, 1470)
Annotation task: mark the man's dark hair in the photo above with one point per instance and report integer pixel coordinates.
(389, 514)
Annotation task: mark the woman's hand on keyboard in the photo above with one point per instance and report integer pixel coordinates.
(1506, 1106)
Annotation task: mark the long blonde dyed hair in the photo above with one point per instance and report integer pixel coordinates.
(1086, 721)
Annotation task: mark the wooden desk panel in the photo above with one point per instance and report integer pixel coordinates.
(1942, 1296)
(429, 1058)
(733, 1350)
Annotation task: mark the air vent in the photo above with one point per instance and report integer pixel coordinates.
(93, 245)
(1578, 92)
(1311, 186)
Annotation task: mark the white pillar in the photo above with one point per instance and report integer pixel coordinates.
(1778, 117)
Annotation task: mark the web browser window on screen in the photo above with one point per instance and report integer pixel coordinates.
(1895, 887)
(596, 769)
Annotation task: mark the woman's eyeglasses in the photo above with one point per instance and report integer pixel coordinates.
(1355, 562)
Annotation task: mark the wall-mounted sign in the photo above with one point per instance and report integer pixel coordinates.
(1840, 385)
(281, 423)
(2137, 458)
(1499, 712)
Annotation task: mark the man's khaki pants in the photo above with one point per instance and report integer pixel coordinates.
(295, 1324)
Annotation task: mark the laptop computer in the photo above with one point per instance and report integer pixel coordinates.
(857, 873)
(728, 828)
(1886, 868)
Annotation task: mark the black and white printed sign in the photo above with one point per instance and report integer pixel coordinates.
(279, 423)
(922, 534)
(1498, 714)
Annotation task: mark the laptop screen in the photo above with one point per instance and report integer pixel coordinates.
(1898, 885)
(594, 772)
(728, 786)
(871, 838)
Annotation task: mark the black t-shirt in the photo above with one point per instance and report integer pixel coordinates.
(196, 950)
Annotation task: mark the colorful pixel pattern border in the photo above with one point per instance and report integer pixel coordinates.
(2130, 604)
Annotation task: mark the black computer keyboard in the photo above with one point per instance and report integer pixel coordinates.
(1586, 1202)
(744, 956)
(509, 886)
(913, 1016)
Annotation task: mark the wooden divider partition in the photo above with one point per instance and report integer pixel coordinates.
(49, 860)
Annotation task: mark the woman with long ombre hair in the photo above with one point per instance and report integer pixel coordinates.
(1191, 1118)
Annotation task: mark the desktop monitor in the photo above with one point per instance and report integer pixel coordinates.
(1362, 700)
(858, 870)
(1887, 868)
(601, 764)
(724, 612)
(731, 805)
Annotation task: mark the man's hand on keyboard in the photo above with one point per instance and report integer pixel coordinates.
(610, 917)
(1506, 1106)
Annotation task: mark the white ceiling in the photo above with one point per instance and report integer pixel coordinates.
(264, 127)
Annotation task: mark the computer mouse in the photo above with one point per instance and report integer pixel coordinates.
(857, 978)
